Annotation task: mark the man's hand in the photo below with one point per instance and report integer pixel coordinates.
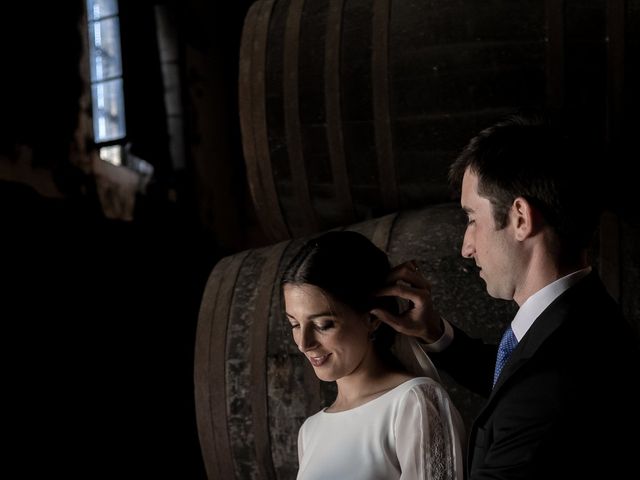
(420, 319)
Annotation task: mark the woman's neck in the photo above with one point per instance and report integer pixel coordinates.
(365, 384)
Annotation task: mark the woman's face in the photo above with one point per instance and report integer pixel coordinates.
(333, 337)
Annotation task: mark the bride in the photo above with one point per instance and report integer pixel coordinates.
(391, 418)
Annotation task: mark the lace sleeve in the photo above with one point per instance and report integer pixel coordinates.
(429, 435)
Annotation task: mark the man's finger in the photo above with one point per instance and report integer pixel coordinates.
(388, 318)
(408, 272)
(415, 295)
(399, 323)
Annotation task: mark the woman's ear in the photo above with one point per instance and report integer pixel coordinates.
(374, 322)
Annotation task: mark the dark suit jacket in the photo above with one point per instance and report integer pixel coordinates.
(566, 404)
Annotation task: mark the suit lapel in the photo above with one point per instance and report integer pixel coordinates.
(548, 322)
(543, 327)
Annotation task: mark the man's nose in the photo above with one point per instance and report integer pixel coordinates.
(467, 246)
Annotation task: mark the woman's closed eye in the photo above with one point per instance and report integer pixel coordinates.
(324, 326)
(320, 326)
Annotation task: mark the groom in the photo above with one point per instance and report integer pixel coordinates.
(563, 385)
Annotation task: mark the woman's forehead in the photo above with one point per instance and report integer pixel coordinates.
(309, 296)
(305, 292)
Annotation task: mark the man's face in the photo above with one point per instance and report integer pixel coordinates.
(493, 250)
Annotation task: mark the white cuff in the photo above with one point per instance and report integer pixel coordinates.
(443, 342)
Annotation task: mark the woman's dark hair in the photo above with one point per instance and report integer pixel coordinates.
(350, 268)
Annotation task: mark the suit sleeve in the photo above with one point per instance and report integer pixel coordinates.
(469, 361)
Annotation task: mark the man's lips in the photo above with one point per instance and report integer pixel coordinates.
(318, 360)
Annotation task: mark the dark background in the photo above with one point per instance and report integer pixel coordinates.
(99, 315)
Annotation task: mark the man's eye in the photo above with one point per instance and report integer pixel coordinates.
(294, 325)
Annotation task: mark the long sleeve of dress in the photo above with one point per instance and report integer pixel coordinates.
(429, 435)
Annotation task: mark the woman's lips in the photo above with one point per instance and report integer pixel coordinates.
(318, 360)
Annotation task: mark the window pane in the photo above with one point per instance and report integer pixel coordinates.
(101, 8)
(104, 48)
(108, 110)
(112, 154)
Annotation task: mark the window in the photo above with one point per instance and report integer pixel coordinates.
(106, 79)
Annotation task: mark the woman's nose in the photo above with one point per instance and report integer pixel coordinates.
(307, 340)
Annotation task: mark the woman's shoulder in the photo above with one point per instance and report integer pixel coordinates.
(418, 383)
(421, 390)
(410, 386)
(397, 383)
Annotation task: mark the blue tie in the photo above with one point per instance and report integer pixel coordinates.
(507, 344)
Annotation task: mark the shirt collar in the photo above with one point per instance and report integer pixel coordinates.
(536, 303)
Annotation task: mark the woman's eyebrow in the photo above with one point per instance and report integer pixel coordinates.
(314, 316)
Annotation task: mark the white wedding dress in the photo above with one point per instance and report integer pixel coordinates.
(410, 432)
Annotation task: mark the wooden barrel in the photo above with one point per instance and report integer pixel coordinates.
(351, 109)
(254, 388)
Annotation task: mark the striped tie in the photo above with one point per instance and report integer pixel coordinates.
(507, 344)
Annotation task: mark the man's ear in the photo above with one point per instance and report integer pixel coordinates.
(523, 218)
